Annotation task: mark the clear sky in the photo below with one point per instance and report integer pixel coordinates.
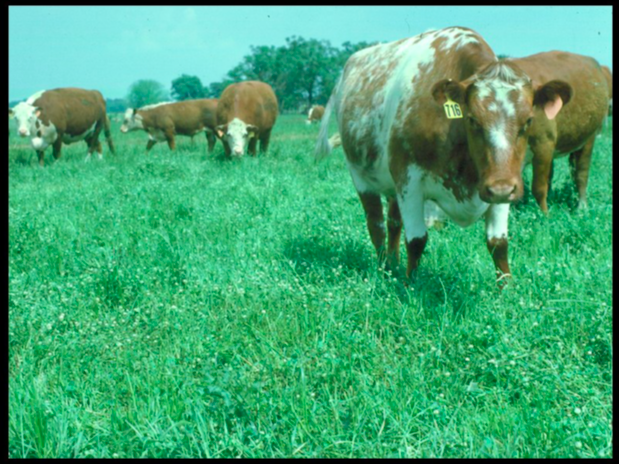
(110, 47)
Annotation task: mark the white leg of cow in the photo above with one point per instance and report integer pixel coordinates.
(497, 219)
(411, 202)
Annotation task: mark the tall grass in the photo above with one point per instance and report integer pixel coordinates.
(185, 305)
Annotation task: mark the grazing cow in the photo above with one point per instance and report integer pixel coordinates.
(246, 113)
(315, 114)
(395, 103)
(163, 121)
(66, 115)
(609, 80)
(574, 129)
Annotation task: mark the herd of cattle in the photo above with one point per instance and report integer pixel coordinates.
(436, 123)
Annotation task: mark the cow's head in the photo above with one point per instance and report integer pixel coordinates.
(132, 121)
(498, 105)
(236, 134)
(25, 116)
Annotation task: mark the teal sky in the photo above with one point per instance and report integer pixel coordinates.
(110, 47)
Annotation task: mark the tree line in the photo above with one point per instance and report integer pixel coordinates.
(302, 73)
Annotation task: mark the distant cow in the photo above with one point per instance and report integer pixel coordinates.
(66, 115)
(163, 121)
(246, 113)
(315, 114)
(574, 129)
(436, 117)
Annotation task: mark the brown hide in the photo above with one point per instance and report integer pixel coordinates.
(73, 111)
(574, 129)
(317, 112)
(183, 118)
(252, 102)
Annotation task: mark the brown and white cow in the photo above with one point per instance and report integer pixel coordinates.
(246, 113)
(163, 121)
(65, 115)
(574, 129)
(400, 142)
(315, 113)
(609, 81)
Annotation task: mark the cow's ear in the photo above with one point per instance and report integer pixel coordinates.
(37, 113)
(448, 89)
(221, 130)
(252, 130)
(11, 113)
(552, 96)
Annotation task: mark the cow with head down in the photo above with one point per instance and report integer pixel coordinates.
(64, 115)
(246, 113)
(164, 121)
(436, 117)
(315, 114)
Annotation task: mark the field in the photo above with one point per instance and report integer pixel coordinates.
(185, 305)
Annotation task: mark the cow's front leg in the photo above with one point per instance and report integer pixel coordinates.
(497, 218)
(373, 207)
(41, 155)
(57, 146)
(394, 229)
(151, 143)
(411, 202)
(211, 140)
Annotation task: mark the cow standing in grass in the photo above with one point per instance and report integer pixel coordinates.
(395, 103)
(315, 114)
(163, 121)
(65, 115)
(246, 113)
(574, 129)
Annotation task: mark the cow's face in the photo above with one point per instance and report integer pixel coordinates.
(498, 105)
(29, 121)
(236, 134)
(25, 118)
(132, 121)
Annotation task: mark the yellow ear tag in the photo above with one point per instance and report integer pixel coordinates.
(452, 109)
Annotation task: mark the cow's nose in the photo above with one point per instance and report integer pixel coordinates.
(238, 151)
(23, 132)
(501, 192)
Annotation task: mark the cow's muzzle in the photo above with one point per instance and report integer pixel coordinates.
(502, 191)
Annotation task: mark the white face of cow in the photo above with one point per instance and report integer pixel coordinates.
(132, 121)
(25, 118)
(237, 134)
(30, 125)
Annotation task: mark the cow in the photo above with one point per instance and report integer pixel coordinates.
(574, 129)
(63, 115)
(315, 114)
(436, 117)
(246, 113)
(609, 80)
(163, 121)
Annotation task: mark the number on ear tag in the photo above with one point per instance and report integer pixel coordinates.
(452, 109)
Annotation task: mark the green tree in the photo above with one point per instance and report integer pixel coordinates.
(146, 92)
(187, 87)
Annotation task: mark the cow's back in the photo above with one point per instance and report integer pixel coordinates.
(253, 102)
(187, 117)
(585, 113)
(384, 102)
(71, 110)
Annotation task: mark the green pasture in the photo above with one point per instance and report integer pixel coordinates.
(185, 305)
